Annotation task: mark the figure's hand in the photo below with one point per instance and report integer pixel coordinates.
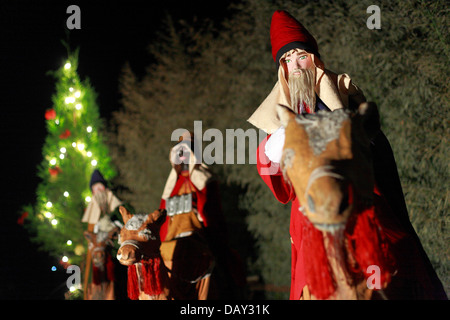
(275, 144)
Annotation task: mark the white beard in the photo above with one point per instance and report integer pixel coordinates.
(301, 89)
(102, 200)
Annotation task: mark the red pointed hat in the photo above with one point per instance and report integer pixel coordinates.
(286, 33)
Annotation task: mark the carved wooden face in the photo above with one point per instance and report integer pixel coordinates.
(180, 156)
(327, 159)
(139, 237)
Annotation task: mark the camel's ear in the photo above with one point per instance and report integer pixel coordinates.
(285, 114)
(90, 236)
(370, 117)
(113, 233)
(126, 215)
(158, 216)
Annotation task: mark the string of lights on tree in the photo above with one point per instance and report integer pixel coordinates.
(73, 149)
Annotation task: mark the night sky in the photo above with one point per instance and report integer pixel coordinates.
(112, 33)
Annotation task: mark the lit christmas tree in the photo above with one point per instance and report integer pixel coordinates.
(73, 149)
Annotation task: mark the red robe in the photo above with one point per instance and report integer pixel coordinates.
(285, 193)
(207, 203)
(230, 276)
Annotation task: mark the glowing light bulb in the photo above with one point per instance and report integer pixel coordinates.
(64, 259)
(74, 144)
(54, 222)
(78, 106)
(49, 204)
(63, 150)
(66, 194)
(61, 156)
(80, 146)
(69, 242)
(72, 289)
(77, 94)
(88, 199)
(89, 129)
(71, 89)
(94, 162)
(53, 268)
(48, 215)
(89, 154)
(69, 100)
(53, 161)
(67, 66)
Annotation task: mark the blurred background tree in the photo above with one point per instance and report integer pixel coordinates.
(219, 74)
(73, 148)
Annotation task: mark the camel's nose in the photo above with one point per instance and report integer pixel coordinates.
(119, 254)
(329, 203)
(125, 256)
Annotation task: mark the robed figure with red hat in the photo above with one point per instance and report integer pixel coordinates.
(306, 86)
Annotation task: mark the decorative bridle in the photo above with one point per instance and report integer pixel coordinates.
(148, 275)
